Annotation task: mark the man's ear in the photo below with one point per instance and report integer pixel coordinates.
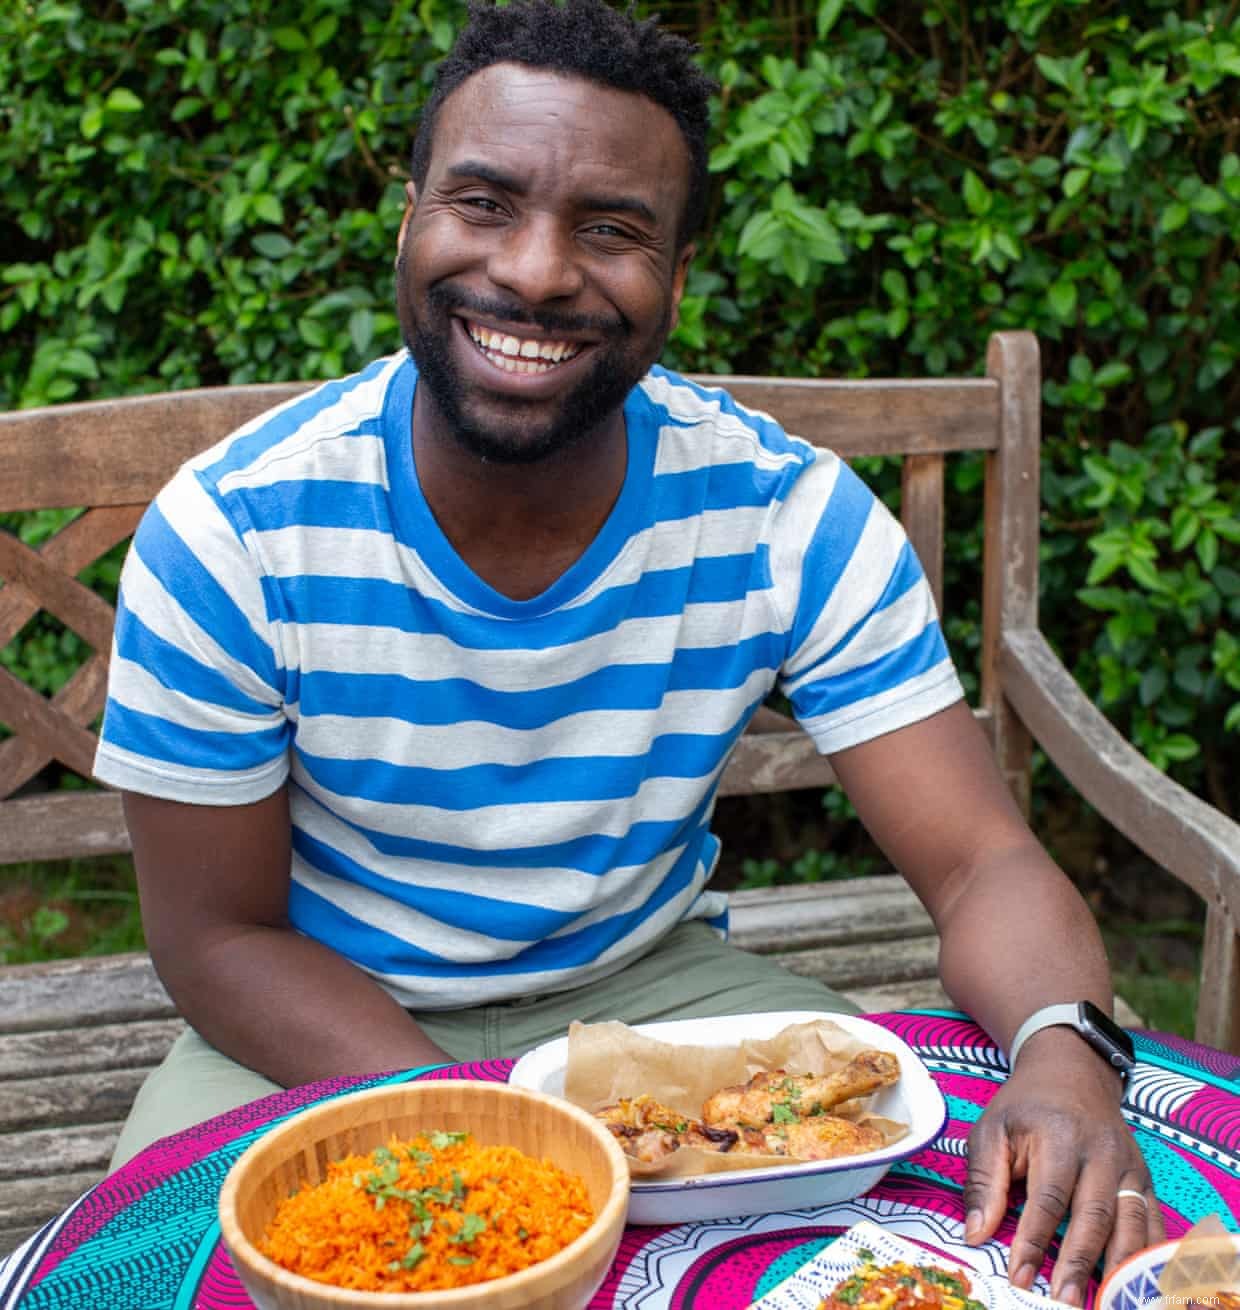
(411, 203)
(683, 260)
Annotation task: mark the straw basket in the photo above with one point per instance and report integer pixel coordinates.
(297, 1154)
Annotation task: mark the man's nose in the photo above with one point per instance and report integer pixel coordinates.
(536, 262)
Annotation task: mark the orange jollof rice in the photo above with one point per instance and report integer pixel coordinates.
(434, 1212)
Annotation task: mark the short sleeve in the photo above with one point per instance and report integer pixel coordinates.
(196, 706)
(866, 654)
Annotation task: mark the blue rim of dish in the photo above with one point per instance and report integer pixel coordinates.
(804, 1169)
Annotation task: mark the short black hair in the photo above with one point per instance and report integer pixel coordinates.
(588, 39)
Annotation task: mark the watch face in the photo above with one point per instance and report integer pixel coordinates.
(1103, 1033)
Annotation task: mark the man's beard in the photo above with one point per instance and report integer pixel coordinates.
(594, 399)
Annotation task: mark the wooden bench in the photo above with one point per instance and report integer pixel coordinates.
(78, 1036)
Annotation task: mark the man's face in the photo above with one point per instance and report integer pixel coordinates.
(538, 274)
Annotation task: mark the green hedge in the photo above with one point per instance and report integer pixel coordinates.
(205, 191)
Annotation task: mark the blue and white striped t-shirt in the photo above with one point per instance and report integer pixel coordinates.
(493, 797)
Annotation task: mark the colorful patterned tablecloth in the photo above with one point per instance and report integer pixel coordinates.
(147, 1237)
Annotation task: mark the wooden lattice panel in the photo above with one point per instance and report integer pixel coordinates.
(57, 728)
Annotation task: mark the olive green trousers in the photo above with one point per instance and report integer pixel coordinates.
(691, 974)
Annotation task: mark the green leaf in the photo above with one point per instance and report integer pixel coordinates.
(1062, 299)
(828, 12)
(1207, 550)
(323, 31)
(235, 209)
(1184, 527)
(289, 38)
(1153, 684)
(1075, 181)
(774, 72)
(78, 363)
(186, 107)
(268, 208)
(122, 101)
(1054, 70)
(274, 245)
(1144, 572)
(361, 329)
(1112, 374)
(1179, 746)
(90, 124)
(1173, 217)
(1209, 201)
(976, 195)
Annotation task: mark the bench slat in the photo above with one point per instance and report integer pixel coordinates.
(785, 919)
(915, 994)
(922, 513)
(46, 1152)
(62, 825)
(866, 964)
(81, 992)
(121, 451)
(56, 1051)
(70, 1099)
(27, 1204)
(774, 761)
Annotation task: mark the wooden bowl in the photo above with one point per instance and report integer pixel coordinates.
(297, 1153)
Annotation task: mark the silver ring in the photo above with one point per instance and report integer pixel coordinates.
(1136, 1196)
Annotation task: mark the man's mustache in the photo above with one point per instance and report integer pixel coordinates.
(449, 298)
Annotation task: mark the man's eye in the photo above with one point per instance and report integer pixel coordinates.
(608, 230)
(483, 203)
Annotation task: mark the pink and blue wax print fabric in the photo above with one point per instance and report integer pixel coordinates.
(147, 1237)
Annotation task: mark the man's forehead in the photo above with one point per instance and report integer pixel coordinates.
(495, 105)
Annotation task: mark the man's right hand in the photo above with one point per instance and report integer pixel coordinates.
(214, 884)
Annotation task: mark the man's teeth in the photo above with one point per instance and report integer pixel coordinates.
(515, 355)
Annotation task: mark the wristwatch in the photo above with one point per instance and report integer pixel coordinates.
(1098, 1029)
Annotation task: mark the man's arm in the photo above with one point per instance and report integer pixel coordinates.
(1015, 935)
(214, 884)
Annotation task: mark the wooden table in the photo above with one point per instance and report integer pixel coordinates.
(147, 1235)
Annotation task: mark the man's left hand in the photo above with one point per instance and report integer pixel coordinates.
(1056, 1124)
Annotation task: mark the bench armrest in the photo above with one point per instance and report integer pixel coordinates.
(1192, 840)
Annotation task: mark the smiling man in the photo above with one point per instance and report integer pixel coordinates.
(423, 683)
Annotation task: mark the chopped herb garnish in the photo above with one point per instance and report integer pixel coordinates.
(441, 1140)
(782, 1113)
(942, 1278)
(471, 1226)
(460, 1259)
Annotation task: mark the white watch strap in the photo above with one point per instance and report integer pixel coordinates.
(1049, 1016)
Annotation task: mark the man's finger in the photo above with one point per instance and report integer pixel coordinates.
(1138, 1219)
(986, 1184)
(1048, 1187)
(1096, 1211)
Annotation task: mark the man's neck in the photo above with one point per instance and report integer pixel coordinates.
(519, 526)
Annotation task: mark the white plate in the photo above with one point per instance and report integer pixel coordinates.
(813, 1282)
(914, 1100)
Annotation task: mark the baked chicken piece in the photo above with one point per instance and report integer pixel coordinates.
(820, 1137)
(773, 1095)
(649, 1131)
(774, 1113)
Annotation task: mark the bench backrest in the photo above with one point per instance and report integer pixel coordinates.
(110, 457)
